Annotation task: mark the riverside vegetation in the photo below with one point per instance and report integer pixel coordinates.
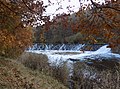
(33, 71)
(17, 18)
(14, 75)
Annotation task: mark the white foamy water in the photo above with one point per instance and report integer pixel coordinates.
(103, 49)
(57, 55)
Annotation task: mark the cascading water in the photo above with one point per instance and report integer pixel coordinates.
(75, 47)
(67, 51)
(103, 49)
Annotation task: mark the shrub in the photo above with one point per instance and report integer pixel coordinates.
(60, 71)
(86, 77)
(80, 76)
(35, 61)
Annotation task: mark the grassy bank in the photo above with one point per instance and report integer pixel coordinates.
(14, 75)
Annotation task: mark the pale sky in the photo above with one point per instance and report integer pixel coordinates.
(75, 5)
(51, 10)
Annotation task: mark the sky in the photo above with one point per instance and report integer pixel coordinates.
(74, 4)
(51, 10)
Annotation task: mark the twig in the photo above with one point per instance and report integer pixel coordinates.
(8, 7)
(103, 6)
(28, 6)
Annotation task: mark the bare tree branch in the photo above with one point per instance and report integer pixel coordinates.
(103, 6)
(110, 8)
(27, 6)
(8, 8)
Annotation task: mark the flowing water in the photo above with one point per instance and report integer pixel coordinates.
(71, 51)
(75, 47)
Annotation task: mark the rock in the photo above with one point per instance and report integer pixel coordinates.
(116, 49)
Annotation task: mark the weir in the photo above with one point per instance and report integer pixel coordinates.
(56, 47)
(74, 47)
(64, 52)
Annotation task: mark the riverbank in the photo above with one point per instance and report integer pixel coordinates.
(33, 71)
(14, 75)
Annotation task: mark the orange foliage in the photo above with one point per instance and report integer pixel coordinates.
(13, 44)
(96, 20)
(101, 20)
(14, 14)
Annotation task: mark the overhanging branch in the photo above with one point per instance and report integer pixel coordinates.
(28, 6)
(103, 6)
(8, 8)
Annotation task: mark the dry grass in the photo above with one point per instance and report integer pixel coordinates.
(14, 75)
(60, 72)
(108, 79)
(35, 61)
(86, 77)
(40, 63)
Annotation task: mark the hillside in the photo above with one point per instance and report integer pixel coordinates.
(14, 75)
